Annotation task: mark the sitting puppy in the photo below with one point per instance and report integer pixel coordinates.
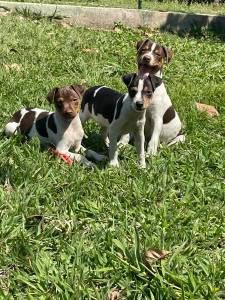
(119, 114)
(162, 121)
(62, 128)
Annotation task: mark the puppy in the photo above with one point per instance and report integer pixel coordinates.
(61, 128)
(118, 114)
(162, 121)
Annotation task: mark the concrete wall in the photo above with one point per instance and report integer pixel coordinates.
(107, 17)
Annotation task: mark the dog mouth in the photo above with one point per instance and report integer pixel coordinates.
(144, 69)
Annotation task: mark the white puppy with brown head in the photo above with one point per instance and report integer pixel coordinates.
(61, 128)
(162, 121)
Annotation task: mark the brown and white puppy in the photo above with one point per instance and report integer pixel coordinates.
(162, 121)
(61, 128)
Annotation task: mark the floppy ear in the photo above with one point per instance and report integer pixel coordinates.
(140, 44)
(155, 80)
(51, 94)
(168, 54)
(128, 78)
(79, 88)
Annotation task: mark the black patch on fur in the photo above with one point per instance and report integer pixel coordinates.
(104, 103)
(51, 123)
(119, 107)
(27, 122)
(169, 115)
(16, 116)
(41, 124)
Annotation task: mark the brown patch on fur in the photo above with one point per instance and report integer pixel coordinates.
(146, 101)
(16, 117)
(27, 122)
(169, 115)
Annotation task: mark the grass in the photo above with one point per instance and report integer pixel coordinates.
(71, 233)
(166, 5)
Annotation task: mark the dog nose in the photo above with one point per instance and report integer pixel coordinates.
(139, 105)
(146, 59)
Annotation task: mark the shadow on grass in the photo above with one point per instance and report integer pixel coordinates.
(195, 25)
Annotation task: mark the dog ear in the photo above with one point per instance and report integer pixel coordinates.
(140, 44)
(79, 88)
(128, 78)
(155, 81)
(168, 54)
(51, 94)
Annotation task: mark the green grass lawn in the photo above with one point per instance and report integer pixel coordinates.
(72, 233)
(166, 5)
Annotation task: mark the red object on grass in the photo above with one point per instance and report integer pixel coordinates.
(63, 156)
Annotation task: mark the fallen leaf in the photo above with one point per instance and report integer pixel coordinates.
(209, 109)
(114, 294)
(50, 33)
(152, 255)
(90, 50)
(66, 25)
(4, 13)
(14, 66)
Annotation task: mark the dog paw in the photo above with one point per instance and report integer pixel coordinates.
(114, 163)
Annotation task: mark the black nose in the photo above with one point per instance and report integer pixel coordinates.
(146, 59)
(139, 105)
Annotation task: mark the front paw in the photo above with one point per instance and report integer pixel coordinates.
(152, 149)
(142, 165)
(114, 163)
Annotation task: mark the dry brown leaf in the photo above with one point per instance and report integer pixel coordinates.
(4, 13)
(90, 50)
(209, 109)
(14, 66)
(152, 255)
(66, 25)
(113, 295)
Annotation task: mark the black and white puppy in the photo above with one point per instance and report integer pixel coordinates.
(61, 128)
(162, 121)
(118, 114)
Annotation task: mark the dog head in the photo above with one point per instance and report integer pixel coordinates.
(151, 56)
(141, 89)
(67, 100)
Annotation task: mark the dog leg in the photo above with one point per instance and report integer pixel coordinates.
(139, 139)
(113, 152)
(154, 142)
(104, 135)
(124, 140)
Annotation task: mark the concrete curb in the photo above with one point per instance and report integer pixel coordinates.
(107, 17)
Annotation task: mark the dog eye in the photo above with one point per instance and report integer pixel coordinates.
(59, 103)
(75, 99)
(132, 92)
(149, 93)
(157, 53)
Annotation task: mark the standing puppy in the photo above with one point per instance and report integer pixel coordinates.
(162, 121)
(61, 128)
(118, 114)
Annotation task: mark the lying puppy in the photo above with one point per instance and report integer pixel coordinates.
(162, 121)
(119, 114)
(62, 128)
